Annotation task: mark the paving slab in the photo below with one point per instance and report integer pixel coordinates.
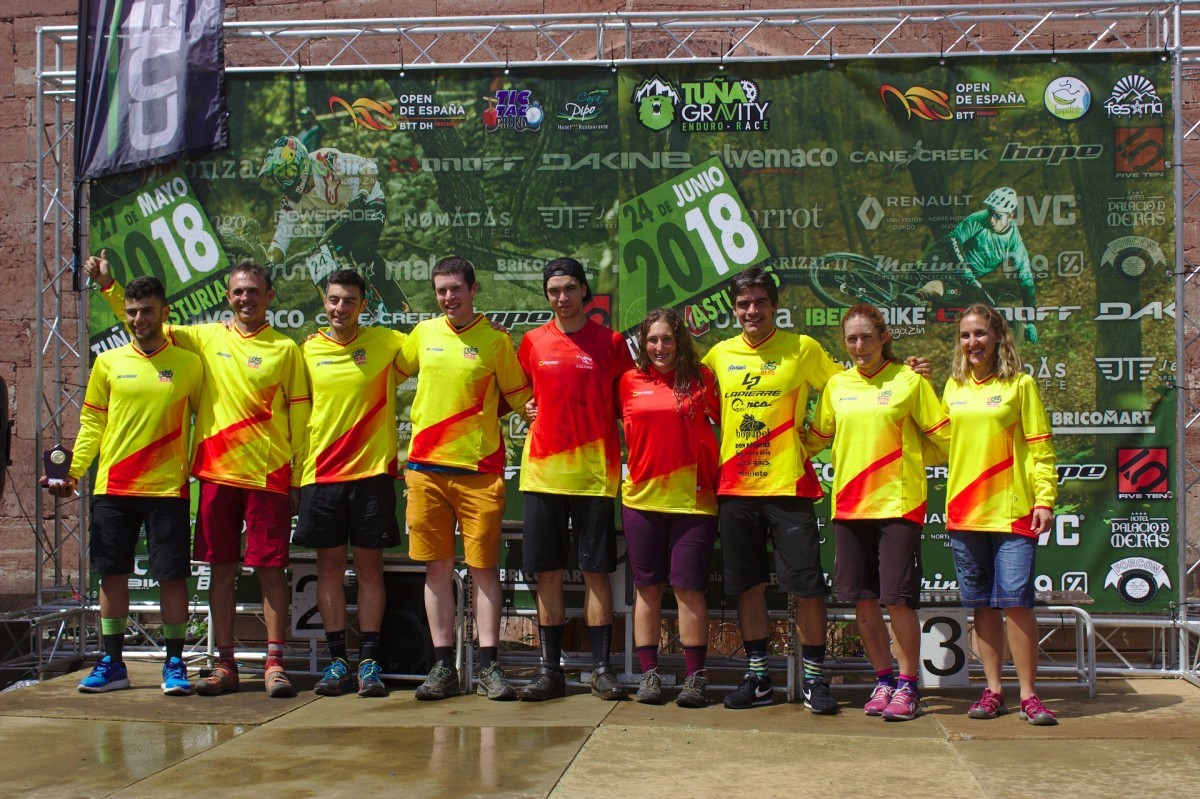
(413, 762)
(637, 762)
(70, 757)
(1095, 769)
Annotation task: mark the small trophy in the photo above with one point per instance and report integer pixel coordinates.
(58, 464)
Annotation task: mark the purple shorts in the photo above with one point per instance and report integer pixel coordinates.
(681, 543)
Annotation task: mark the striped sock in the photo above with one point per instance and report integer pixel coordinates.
(814, 660)
(909, 680)
(886, 677)
(756, 651)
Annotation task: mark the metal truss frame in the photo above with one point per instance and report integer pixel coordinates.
(57, 622)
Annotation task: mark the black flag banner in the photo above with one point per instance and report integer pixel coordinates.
(150, 83)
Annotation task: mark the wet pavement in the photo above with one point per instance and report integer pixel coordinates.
(1138, 737)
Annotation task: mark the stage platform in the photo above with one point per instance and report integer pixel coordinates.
(1137, 737)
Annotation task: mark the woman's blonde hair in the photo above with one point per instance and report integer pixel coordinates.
(1008, 360)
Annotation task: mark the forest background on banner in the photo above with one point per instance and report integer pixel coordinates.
(848, 179)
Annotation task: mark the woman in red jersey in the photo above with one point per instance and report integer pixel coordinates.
(669, 403)
(877, 415)
(999, 498)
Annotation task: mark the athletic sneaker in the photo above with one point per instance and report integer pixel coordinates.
(753, 691)
(493, 683)
(817, 697)
(107, 675)
(369, 683)
(441, 683)
(905, 704)
(692, 694)
(335, 680)
(879, 700)
(175, 681)
(1037, 714)
(606, 685)
(276, 681)
(989, 706)
(548, 683)
(649, 690)
(224, 678)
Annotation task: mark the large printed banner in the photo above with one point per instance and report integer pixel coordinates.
(868, 181)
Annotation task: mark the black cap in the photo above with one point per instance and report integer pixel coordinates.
(567, 267)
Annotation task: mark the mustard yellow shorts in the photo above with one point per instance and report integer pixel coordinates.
(436, 502)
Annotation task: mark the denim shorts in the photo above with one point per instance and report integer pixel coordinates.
(995, 570)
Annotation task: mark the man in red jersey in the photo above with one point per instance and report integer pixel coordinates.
(570, 470)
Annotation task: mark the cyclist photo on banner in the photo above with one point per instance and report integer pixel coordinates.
(337, 194)
(952, 268)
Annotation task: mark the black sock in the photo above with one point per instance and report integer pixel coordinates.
(551, 637)
(114, 646)
(445, 656)
(174, 648)
(336, 640)
(756, 654)
(368, 646)
(601, 635)
(487, 656)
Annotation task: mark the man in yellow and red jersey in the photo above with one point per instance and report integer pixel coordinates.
(137, 416)
(455, 469)
(348, 484)
(570, 471)
(250, 433)
(766, 484)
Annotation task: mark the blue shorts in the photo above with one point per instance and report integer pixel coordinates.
(995, 570)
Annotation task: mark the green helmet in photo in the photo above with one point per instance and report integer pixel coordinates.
(1002, 200)
(288, 164)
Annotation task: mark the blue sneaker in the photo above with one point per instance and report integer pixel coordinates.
(369, 682)
(175, 681)
(335, 680)
(108, 675)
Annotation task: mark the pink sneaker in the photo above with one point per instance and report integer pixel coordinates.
(905, 704)
(879, 700)
(1033, 711)
(989, 706)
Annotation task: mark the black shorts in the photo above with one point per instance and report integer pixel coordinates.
(878, 559)
(746, 523)
(117, 523)
(546, 541)
(358, 512)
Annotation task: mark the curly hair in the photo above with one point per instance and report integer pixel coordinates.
(687, 362)
(1008, 360)
(869, 312)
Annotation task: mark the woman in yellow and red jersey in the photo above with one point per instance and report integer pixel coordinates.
(877, 415)
(669, 403)
(999, 498)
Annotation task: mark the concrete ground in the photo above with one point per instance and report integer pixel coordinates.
(1137, 738)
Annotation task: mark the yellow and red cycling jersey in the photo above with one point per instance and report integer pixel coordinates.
(573, 446)
(876, 422)
(352, 429)
(764, 396)
(1002, 462)
(137, 416)
(672, 446)
(463, 373)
